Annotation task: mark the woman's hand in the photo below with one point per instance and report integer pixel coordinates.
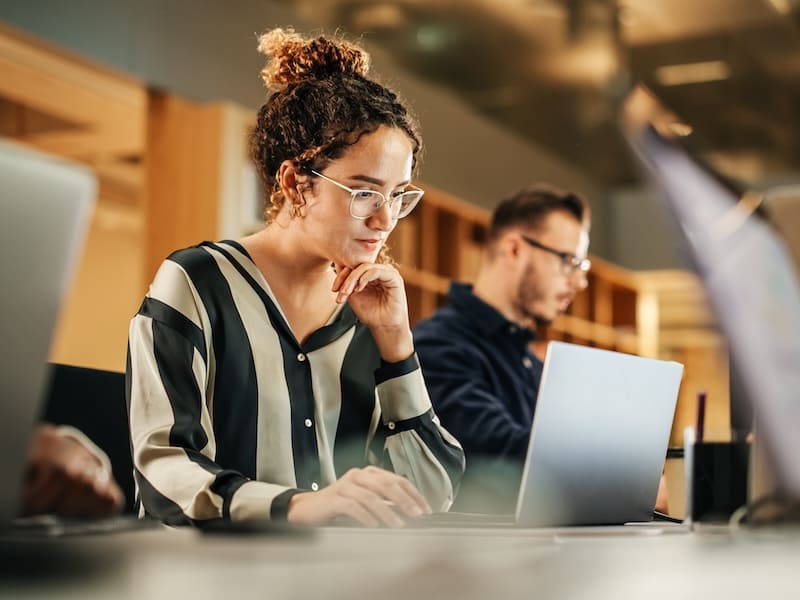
(371, 497)
(377, 296)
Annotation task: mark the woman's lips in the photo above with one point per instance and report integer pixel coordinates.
(370, 244)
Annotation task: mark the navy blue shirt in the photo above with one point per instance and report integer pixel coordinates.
(483, 381)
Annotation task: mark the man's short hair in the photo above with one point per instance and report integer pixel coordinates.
(530, 206)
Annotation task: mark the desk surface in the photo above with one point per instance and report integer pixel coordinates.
(345, 563)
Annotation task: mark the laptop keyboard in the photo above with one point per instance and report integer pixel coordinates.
(53, 526)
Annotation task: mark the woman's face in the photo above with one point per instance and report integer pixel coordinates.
(379, 161)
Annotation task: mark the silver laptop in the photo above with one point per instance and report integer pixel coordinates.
(598, 442)
(45, 205)
(599, 438)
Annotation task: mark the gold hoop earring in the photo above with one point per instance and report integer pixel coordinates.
(298, 208)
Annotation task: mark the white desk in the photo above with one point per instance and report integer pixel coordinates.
(344, 564)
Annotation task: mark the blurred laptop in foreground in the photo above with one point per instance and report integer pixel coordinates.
(46, 206)
(751, 280)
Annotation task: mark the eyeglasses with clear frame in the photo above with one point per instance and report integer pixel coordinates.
(365, 202)
(569, 262)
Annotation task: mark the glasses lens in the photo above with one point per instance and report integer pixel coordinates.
(573, 263)
(365, 202)
(406, 202)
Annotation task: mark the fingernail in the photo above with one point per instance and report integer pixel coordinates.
(341, 298)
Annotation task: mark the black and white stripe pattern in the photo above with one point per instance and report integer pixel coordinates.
(230, 416)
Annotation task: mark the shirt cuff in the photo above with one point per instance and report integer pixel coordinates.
(279, 509)
(404, 395)
(391, 370)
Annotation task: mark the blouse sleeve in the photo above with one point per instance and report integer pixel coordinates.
(171, 430)
(416, 445)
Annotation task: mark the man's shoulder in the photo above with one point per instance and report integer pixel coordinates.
(446, 319)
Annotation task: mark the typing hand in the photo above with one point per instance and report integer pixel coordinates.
(66, 478)
(371, 497)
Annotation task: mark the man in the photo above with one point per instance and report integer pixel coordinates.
(476, 352)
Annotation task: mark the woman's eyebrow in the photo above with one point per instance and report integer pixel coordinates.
(375, 181)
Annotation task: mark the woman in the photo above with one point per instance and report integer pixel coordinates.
(274, 376)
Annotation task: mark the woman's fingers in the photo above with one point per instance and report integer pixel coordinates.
(399, 491)
(371, 497)
(357, 280)
(342, 273)
(353, 509)
(373, 503)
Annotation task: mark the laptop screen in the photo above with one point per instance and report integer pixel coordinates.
(598, 439)
(747, 271)
(46, 206)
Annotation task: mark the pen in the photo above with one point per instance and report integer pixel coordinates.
(701, 415)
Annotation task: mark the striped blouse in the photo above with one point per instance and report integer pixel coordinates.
(230, 416)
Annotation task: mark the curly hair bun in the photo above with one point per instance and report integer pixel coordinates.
(292, 58)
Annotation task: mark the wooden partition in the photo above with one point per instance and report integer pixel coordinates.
(56, 102)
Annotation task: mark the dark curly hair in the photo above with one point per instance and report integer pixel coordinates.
(322, 103)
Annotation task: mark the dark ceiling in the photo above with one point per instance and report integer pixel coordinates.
(553, 70)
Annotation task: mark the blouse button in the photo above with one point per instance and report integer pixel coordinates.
(301, 357)
(308, 422)
(314, 486)
(391, 425)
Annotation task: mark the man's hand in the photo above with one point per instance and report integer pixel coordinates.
(370, 496)
(662, 499)
(66, 478)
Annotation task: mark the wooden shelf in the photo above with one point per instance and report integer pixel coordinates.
(659, 314)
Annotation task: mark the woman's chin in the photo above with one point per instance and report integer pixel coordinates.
(359, 258)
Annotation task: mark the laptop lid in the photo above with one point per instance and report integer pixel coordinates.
(46, 206)
(599, 438)
(746, 270)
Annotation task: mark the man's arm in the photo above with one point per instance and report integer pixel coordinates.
(463, 400)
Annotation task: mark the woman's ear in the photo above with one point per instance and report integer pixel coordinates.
(287, 180)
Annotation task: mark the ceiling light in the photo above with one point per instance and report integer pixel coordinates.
(379, 16)
(699, 72)
(782, 6)
(680, 129)
(435, 37)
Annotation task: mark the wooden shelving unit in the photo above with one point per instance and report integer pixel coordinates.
(174, 172)
(440, 241)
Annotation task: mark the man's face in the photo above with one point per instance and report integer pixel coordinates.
(546, 286)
